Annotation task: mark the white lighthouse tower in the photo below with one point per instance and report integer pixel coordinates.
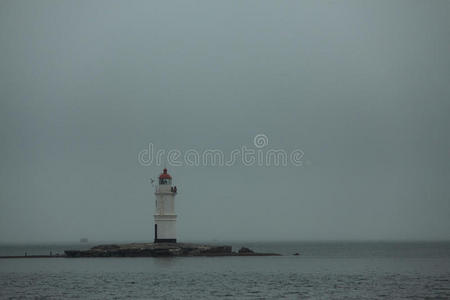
(165, 217)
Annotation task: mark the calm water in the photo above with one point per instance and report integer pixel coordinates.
(323, 270)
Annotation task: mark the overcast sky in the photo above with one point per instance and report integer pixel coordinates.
(361, 87)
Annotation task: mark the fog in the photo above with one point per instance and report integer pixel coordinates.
(360, 87)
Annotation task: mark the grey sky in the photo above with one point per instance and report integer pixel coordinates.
(362, 87)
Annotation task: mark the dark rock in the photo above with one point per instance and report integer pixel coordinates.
(159, 249)
(217, 250)
(106, 247)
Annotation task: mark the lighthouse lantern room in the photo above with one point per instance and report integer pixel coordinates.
(165, 217)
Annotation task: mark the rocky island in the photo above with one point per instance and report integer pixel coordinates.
(162, 250)
(165, 238)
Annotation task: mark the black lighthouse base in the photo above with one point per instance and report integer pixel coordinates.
(162, 240)
(165, 240)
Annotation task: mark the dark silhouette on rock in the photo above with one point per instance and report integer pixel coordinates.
(245, 250)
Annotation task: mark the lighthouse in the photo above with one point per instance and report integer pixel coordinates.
(165, 217)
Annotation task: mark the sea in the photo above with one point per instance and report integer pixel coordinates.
(322, 270)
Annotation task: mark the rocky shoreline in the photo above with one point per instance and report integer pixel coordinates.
(161, 250)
